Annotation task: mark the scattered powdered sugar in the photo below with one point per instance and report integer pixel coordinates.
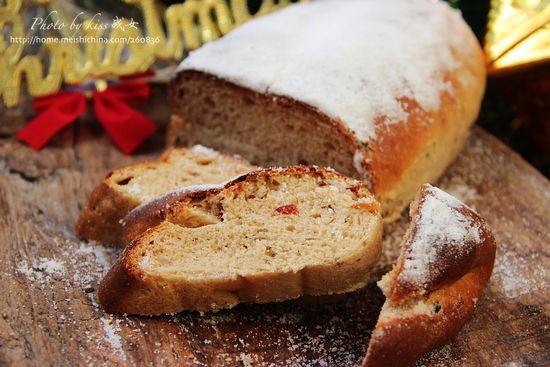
(111, 327)
(515, 276)
(51, 266)
(465, 193)
(24, 269)
(40, 269)
(77, 264)
(440, 227)
(69, 278)
(98, 251)
(394, 50)
(293, 334)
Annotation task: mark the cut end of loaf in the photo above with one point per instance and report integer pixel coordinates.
(271, 235)
(267, 130)
(447, 258)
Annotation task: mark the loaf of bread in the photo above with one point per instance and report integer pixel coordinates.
(378, 90)
(124, 189)
(270, 235)
(446, 259)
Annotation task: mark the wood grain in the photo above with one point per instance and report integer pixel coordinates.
(49, 277)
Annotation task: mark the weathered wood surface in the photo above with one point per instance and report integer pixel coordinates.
(49, 277)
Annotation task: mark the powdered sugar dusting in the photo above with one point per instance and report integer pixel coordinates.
(68, 279)
(463, 192)
(515, 276)
(201, 149)
(40, 269)
(332, 332)
(111, 327)
(440, 225)
(310, 52)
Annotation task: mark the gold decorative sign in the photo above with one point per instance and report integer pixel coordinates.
(125, 49)
(518, 33)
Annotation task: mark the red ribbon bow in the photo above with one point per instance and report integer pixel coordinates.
(126, 126)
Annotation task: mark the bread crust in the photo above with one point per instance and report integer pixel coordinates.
(448, 301)
(126, 289)
(100, 218)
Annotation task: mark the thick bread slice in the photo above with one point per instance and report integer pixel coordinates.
(268, 236)
(446, 260)
(390, 100)
(124, 189)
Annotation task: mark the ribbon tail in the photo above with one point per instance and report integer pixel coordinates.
(60, 113)
(127, 127)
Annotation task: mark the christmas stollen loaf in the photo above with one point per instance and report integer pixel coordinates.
(378, 90)
(127, 188)
(267, 236)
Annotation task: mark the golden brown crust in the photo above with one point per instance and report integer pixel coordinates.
(412, 322)
(401, 341)
(409, 153)
(100, 218)
(126, 289)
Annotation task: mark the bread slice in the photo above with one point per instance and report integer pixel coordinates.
(393, 112)
(447, 258)
(124, 189)
(270, 235)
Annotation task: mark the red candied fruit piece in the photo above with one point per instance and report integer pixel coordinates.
(290, 209)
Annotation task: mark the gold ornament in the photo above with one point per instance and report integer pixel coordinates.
(188, 26)
(518, 34)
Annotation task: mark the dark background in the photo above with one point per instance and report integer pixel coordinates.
(516, 107)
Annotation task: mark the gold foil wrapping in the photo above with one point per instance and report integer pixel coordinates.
(518, 34)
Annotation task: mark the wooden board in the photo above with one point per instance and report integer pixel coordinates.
(49, 277)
